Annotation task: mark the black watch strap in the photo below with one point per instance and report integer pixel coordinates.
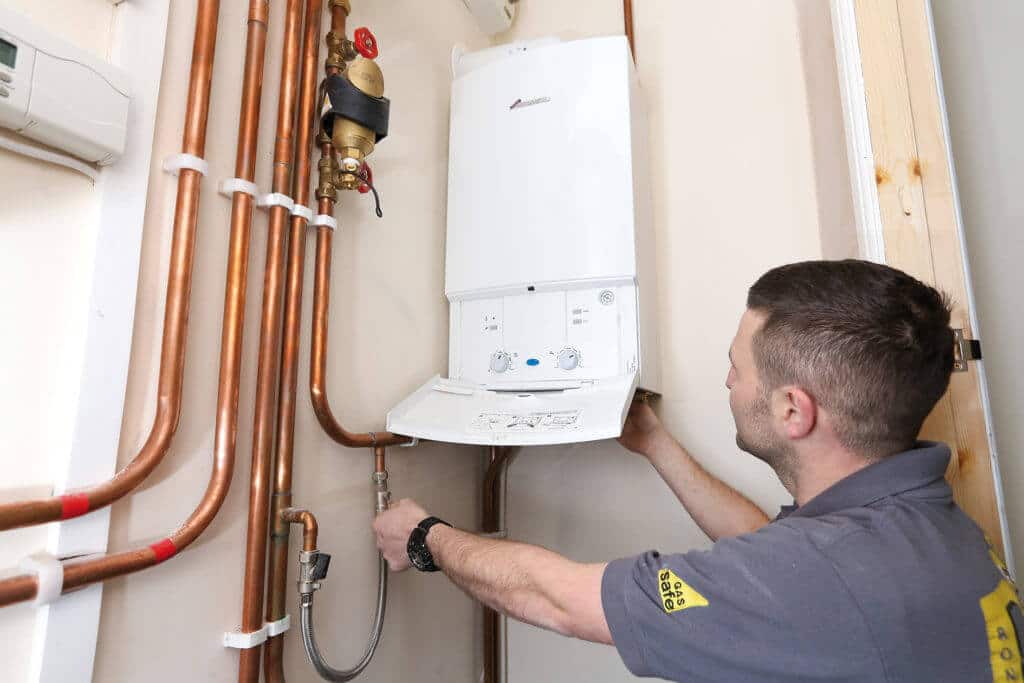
(419, 553)
(429, 522)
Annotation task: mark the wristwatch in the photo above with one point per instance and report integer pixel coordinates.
(419, 554)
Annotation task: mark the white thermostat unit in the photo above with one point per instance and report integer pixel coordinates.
(58, 94)
(550, 253)
(493, 16)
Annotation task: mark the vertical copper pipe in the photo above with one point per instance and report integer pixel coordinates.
(318, 351)
(175, 329)
(270, 336)
(273, 669)
(489, 522)
(81, 572)
(627, 17)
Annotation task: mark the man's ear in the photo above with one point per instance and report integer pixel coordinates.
(794, 411)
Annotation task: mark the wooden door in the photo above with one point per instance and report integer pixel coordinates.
(908, 213)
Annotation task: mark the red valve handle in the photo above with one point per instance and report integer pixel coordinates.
(364, 187)
(366, 43)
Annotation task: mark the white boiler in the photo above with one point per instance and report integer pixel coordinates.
(550, 250)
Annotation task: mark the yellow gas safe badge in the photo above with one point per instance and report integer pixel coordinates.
(676, 594)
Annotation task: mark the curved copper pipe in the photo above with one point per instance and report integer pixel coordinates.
(269, 349)
(277, 578)
(318, 362)
(175, 330)
(84, 571)
(308, 522)
(321, 305)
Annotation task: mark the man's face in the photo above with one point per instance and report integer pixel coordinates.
(750, 402)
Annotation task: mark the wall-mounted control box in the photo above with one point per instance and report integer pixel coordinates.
(58, 94)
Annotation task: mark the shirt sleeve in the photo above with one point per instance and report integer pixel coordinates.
(766, 606)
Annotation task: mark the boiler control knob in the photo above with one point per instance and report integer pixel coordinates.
(500, 361)
(568, 358)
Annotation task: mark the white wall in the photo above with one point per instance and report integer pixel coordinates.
(47, 233)
(735, 188)
(981, 53)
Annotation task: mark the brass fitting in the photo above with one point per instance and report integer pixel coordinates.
(327, 187)
(345, 6)
(339, 50)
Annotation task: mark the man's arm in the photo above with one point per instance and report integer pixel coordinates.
(718, 509)
(525, 582)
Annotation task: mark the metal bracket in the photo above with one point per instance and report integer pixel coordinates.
(964, 350)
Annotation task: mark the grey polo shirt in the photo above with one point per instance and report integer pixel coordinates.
(880, 578)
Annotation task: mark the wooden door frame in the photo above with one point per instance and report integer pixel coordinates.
(908, 213)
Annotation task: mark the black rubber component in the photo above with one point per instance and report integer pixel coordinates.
(350, 102)
(320, 565)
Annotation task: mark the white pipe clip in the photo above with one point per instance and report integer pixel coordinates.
(303, 211)
(174, 163)
(276, 628)
(50, 574)
(325, 220)
(229, 186)
(275, 199)
(245, 641)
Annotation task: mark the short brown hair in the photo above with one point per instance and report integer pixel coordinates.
(871, 344)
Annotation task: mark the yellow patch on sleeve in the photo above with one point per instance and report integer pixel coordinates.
(676, 594)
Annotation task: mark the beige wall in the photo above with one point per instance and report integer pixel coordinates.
(735, 191)
(742, 107)
(734, 146)
(388, 284)
(980, 52)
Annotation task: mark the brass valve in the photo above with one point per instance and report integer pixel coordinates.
(327, 187)
(340, 51)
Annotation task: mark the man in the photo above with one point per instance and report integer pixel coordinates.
(874, 574)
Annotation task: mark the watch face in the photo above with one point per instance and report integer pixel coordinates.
(419, 555)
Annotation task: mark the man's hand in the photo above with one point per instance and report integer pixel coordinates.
(643, 432)
(393, 527)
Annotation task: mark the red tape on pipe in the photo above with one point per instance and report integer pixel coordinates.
(163, 550)
(73, 505)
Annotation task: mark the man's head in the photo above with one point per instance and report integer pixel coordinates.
(846, 350)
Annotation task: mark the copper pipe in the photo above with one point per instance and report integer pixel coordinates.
(318, 363)
(175, 330)
(277, 578)
(339, 21)
(498, 459)
(269, 349)
(308, 522)
(321, 304)
(378, 459)
(627, 17)
(84, 571)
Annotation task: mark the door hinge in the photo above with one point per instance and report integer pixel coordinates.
(964, 350)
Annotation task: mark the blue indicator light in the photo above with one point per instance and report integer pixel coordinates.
(533, 361)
